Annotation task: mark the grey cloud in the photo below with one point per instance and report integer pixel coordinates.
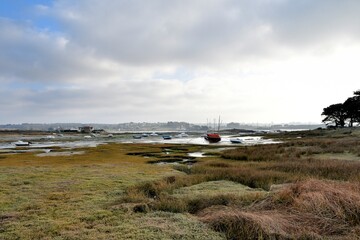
(140, 40)
(30, 55)
(201, 32)
(180, 32)
(306, 23)
(132, 101)
(152, 32)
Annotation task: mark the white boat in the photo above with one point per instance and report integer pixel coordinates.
(21, 143)
(236, 140)
(182, 135)
(153, 134)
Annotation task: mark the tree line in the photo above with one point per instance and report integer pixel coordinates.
(343, 114)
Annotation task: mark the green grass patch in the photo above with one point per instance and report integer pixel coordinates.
(70, 197)
(112, 192)
(213, 188)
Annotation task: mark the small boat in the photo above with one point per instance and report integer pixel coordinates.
(182, 135)
(212, 137)
(236, 140)
(166, 137)
(153, 134)
(144, 135)
(21, 143)
(137, 136)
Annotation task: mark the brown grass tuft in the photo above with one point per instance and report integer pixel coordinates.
(305, 210)
(249, 225)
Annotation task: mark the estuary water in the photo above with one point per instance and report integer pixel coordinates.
(44, 143)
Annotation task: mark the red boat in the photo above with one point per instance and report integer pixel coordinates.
(213, 137)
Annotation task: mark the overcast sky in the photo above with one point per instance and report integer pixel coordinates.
(112, 61)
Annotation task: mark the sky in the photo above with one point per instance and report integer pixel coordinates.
(114, 61)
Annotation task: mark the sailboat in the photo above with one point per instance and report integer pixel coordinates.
(213, 137)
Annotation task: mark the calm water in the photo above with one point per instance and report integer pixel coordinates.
(80, 141)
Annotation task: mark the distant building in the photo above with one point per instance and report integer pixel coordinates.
(71, 130)
(233, 125)
(86, 129)
(98, 130)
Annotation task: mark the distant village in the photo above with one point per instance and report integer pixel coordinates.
(145, 126)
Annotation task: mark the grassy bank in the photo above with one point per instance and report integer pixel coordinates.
(303, 188)
(71, 197)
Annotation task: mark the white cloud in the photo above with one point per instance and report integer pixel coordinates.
(115, 61)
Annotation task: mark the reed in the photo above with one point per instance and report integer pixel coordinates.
(318, 179)
(311, 209)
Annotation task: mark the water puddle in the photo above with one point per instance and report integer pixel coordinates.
(14, 151)
(55, 154)
(188, 162)
(196, 154)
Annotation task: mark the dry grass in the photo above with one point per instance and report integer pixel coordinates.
(314, 206)
(311, 209)
(320, 168)
(295, 148)
(247, 225)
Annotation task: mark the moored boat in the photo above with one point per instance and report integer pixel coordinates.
(166, 137)
(137, 136)
(182, 135)
(212, 137)
(236, 140)
(21, 143)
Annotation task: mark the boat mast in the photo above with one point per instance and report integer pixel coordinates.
(219, 124)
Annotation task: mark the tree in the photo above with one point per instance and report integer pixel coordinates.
(335, 114)
(352, 108)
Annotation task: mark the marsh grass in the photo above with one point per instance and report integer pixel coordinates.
(71, 197)
(318, 197)
(112, 192)
(311, 209)
(321, 168)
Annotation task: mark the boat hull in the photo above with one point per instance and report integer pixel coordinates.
(22, 144)
(236, 141)
(213, 137)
